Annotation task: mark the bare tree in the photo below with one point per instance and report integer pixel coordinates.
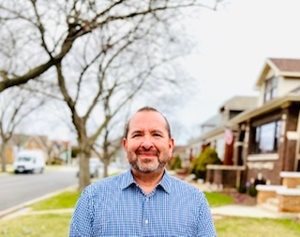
(107, 150)
(16, 106)
(42, 33)
(103, 53)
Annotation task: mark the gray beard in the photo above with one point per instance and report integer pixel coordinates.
(146, 170)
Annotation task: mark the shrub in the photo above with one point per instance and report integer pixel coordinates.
(175, 163)
(242, 188)
(252, 190)
(206, 157)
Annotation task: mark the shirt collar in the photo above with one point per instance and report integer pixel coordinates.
(128, 180)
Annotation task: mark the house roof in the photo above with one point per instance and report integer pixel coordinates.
(23, 139)
(286, 64)
(218, 131)
(267, 107)
(217, 126)
(239, 103)
(212, 121)
(286, 67)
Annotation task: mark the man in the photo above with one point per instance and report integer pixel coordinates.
(145, 201)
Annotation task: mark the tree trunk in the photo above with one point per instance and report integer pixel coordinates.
(105, 168)
(84, 173)
(3, 158)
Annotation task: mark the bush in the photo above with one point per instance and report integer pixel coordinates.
(252, 190)
(175, 163)
(242, 189)
(206, 157)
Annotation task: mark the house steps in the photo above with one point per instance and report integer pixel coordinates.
(281, 198)
(271, 204)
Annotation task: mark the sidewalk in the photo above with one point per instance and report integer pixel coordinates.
(250, 211)
(29, 212)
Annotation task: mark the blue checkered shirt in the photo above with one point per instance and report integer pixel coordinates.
(116, 206)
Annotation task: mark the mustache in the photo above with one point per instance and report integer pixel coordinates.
(145, 152)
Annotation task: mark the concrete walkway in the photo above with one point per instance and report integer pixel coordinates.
(250, 211)
(29, 212)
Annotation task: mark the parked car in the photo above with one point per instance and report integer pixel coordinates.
(29, 161)
(95, 167)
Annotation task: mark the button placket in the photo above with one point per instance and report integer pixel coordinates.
(146, 220)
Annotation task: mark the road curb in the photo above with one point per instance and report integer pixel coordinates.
(19, 207)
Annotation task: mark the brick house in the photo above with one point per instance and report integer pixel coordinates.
(215, 129)
(268, 136)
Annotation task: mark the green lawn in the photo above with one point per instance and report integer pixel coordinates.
(50, 225)
(218, 199)
(58, 226)
(68, 200)
(256, 227)
(63, 200)
(36, 226)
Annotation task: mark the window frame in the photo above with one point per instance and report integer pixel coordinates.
(271, 88)
(258, 137)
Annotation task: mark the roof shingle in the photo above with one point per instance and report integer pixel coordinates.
(287, 64)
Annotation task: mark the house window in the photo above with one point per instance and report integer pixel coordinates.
(270, 88)
(267, 137)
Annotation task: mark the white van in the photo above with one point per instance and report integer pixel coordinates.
(31, 161)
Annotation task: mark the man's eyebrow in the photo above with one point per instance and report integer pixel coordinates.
(157, 131)
(136, 131)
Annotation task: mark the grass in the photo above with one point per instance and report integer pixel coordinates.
(257, 227)
(58, 226)
(218, 199)
(64, 200)
(68, 200)
(36, 226)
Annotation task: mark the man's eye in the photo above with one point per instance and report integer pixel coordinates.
(157, 135)
(136, 135)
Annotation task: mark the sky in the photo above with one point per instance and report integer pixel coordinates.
(232, 45)
(230, 49)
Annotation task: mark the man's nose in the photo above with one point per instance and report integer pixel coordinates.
(147, 143)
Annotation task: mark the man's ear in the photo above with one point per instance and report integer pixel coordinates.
(124, 143)
(171, 146)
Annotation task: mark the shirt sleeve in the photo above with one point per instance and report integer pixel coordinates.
(82, 219)
(206, 226)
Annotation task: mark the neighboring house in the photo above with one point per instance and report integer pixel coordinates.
(54, 150)
(183, 153)
(211, 123)
(215, 130)
(59, 151)
(268, 135)
(23, 141)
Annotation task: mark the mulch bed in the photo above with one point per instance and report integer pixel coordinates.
(240, 198)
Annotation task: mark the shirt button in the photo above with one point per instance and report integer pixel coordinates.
(146, 222)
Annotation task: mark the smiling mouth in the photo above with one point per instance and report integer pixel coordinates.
(147, 154)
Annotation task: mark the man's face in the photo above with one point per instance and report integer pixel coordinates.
(148, 145)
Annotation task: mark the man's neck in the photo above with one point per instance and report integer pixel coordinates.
(147, 181)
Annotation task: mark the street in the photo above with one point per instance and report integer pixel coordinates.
(20, 188)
